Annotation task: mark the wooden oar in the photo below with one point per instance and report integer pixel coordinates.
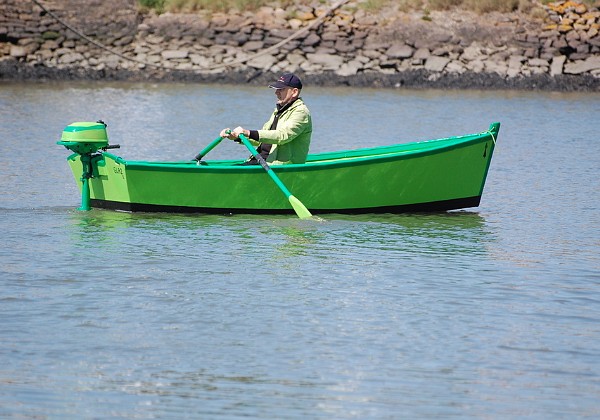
(297, 205)
(208, 148)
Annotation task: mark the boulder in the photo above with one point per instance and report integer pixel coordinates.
(472, 53)
(436, 64)
(18, 51)
(498, 67)
(328, 61)
(174, 54)
(538, 62)
(264, 62)
(349, 69)
(311, 40)
(455, 67)
(399, 51)
(557, 65)
(200, 60)
(583, 66)
(253, 46)
(343, 46)
(70, 58)
(422, 54)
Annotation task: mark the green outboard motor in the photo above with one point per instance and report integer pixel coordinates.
(87, 139)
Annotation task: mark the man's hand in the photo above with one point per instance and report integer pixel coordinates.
(227, 133)
(240, 130)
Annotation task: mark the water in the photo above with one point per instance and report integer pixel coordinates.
(491, 312)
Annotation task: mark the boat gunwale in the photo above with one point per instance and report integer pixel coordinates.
(321, 161)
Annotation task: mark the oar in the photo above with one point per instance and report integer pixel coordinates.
(208, 148)
(299, 208)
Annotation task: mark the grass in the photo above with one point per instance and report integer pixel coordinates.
(479, 6)
(211, 5)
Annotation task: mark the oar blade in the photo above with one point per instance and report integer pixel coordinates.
(299, 208)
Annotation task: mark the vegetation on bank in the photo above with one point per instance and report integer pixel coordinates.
(479, 6)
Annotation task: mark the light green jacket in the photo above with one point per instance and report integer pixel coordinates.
(291, 138)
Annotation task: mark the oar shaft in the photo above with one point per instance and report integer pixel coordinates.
(208, 148)
(300, 209)
(265, 165)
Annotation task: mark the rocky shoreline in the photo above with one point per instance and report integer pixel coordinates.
(559, 51)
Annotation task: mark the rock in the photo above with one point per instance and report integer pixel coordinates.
(295, 58)
(311, 40)
(455, 67)
(399, 50)
(557, 65)
(174, 54)
(253, 46)
(500, 68)
(436, 64)
(328, 61)
(583, 66)
(476, 66)
(349, 69)
(200, 60)
(343, 46)
(471, 53)
(70, 58)
(264, 62)
(50, 45)
(422, 54)
(538, 62)
(18, 51)
(515, 61)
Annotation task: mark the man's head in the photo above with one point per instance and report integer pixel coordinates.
(287, 88)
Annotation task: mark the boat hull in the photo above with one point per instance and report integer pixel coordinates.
(434, 175)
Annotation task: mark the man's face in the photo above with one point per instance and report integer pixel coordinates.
(285, 95)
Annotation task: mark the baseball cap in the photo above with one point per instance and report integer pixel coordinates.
(287, 80)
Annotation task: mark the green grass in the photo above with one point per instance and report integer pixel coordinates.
(210, 5)
(479, 6)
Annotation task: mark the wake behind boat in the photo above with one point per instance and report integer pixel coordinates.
(433, 175)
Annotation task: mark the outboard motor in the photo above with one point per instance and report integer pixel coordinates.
(87, 139)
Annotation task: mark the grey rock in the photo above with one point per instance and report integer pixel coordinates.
(311, 40)
(399, 50)
(422, 54)
(174, 54)
(342, 45)
(436, 64)
(557, 65)
(18, 51)
(455, 67)
(253, 46)
(200, 60)
(538, 62)
(70, 58)
(472, 53)
(328, 61)
(500, 68)
(583, 66)
(264, 62)
(349, 69)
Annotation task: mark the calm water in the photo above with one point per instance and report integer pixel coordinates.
(491, 312)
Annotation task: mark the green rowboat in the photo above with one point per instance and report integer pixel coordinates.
(433, 175)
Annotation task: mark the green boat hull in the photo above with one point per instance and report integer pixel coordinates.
(433, 175)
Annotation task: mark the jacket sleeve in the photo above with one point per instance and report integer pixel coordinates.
(287, 129)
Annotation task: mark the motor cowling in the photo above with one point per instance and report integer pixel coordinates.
(84, 137)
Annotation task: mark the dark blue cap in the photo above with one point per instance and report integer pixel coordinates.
(287, 80)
